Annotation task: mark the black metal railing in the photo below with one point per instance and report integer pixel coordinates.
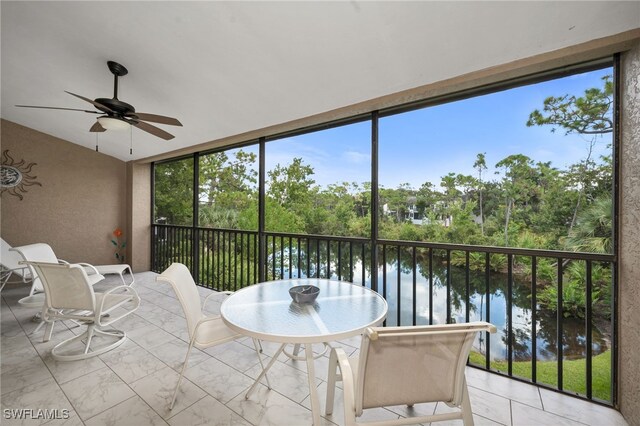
(554, 309)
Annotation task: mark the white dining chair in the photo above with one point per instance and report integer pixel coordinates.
(406, 365)
(204, 331)
(70, 296)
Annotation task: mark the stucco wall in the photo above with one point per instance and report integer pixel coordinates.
(81, 201)
(139, 215)
(629, 296)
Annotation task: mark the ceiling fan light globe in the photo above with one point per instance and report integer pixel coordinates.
(110, 123)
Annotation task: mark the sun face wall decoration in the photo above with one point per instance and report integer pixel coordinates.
(16, 177)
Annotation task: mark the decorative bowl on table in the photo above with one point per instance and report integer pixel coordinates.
(304, 293)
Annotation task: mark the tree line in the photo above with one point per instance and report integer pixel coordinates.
(531, 204)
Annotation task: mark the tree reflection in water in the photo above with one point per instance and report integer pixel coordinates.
(574, 340)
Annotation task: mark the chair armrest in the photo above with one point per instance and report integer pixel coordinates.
(204, 320)
(218, 339)
(90, 266)
(5, 274)
(63, 262)
(206, 299)
(348, 387)
(10, 271)
(127, 289)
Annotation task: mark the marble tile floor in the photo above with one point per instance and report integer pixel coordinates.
(132, 385)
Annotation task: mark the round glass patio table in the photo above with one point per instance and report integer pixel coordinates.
(266, 312)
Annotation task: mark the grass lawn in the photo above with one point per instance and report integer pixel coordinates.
(574, 373)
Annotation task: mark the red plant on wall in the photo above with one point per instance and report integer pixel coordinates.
(119, 245)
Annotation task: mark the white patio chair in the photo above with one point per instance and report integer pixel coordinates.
(41, 252)
(204, 331)
(10, 263)
(70, 296)
(406, 365)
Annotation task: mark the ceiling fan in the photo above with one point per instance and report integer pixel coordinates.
(117, 114)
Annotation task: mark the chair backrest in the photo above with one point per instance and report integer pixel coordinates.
(65, 286)
(411, 365)
(39, 252)
(10, 259)
(180, 278)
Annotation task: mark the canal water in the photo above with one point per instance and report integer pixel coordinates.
(574, 329)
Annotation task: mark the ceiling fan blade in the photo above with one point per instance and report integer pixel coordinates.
(97, 128)
(95, 104)
(154, 118)
(152, 129)
(65, 109)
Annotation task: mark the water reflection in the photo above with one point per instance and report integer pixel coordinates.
(546, 325)
(574, 340)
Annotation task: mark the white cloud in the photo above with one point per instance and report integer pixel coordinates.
(356, 157)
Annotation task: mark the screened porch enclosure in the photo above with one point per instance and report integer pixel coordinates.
(474, 248)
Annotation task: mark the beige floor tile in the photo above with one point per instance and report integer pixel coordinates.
(157, 390)
(173, 352)
(132, 412)
(22, 374)
(218, 379)
(44, 395)
(133, 363)
(72, 420)
(477, 421)
(485, 404)
(503, 386)
(95, 392)
(524, 415)
(208, 411)
(64, 371)
(268, 407)
(131, 323)
(337, 416)
(579, 410)
(287, 380)
(150, 336)
(236, 355)
(16, 349)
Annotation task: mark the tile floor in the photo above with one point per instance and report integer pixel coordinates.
(132, 384)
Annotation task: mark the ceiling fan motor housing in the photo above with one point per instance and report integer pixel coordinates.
(117, 106)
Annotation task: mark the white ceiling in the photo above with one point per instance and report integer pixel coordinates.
(225, 68)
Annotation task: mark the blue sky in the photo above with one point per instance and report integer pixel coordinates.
(426, 144)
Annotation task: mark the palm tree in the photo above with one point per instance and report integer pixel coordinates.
(593, 231)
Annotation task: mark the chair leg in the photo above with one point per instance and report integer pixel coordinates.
(90, 329)
(331, 382)
(467, 415)
(184, 367)
(256, 343)
(48, 330)
(133, 278)
(5, 279)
